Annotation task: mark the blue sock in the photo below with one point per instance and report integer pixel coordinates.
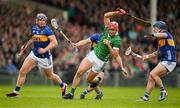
(61, 84)
(85, 92)
(17, 88)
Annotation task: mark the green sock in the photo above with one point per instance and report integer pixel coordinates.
(73, 90)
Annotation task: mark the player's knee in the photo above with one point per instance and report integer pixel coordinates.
(150, 78)
(153, 75)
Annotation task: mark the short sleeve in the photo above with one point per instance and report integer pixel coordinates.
(95, 37)
(117, 44)
(49, 31)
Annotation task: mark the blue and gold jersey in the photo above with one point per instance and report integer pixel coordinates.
(95, 39)
(41, 40)
(167, 48)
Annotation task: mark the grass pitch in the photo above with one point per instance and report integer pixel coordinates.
(114, 97)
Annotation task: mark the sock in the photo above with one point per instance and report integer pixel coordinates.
(98, 91)
(61, 84)
(17, 88)
(85, 92)
(99, 79)
(162, 88)
(146, 95)
(73, 90)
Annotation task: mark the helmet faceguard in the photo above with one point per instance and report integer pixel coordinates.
(113, 26)
(41, 16)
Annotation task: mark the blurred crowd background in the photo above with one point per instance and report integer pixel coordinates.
(84, 18)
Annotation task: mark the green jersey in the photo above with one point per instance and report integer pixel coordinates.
(101, 50)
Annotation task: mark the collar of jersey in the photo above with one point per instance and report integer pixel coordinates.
(114, 35)
(39, 27)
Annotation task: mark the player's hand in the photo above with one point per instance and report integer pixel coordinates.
(41, 50)
(121, 11)
(22, 50)
(20, 54)
(148, 36)
(145, 57)
(74, 45)
(125, 72)
(106, 42)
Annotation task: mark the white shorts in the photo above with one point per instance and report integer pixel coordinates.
(97, 64)
(169, 65)
(42, 62)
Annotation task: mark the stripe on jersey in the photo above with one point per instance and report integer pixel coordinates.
(40, 38)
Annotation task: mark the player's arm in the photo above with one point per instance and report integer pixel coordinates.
(28, 42)
(109, 15)
(82, 43)
(115, 54)
(156, 35)
(85, 42)
(119, 61)
(24, 47)
(154, 54)
(113, 51)
(53, 43)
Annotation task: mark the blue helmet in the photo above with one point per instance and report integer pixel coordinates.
(41, 16)
(160, 24)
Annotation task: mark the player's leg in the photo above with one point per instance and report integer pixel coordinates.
(27, 66)
(52, 76)
(84, 66)
(97, 67)
(46, 65)
(85, 92)
(97, 80)
(93, 86)
(156, 74)
(99, 93)
(154, 77)
(89, 88)
(149, 87)
(162, 69)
